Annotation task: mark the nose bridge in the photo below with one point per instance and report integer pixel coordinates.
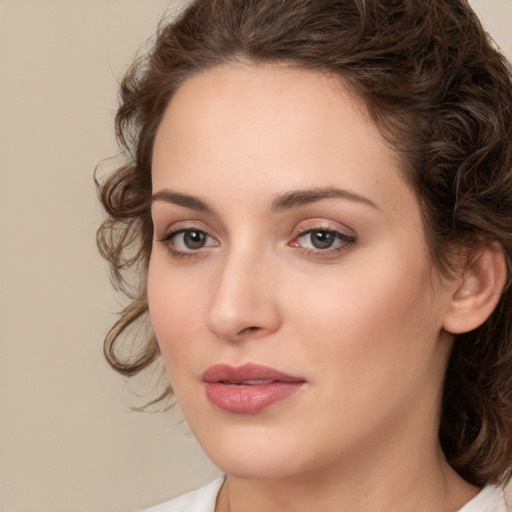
(242, 302)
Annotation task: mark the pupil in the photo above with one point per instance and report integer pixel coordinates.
(194, 239)
(322, 239)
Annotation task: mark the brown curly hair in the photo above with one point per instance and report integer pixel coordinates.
(440, 93)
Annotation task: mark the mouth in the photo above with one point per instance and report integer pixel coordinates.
(248, 389)
(242, 383)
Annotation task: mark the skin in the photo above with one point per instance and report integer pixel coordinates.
(361, 321)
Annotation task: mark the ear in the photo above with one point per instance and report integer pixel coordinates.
(478, 289)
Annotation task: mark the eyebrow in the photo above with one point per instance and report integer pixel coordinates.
(280, 202)
(298, 198)
(185, 200)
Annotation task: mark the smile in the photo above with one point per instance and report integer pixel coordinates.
(248, 389)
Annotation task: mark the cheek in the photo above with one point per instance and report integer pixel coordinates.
(176, 309)
(371, 344)
(365, 297)
(376, 315)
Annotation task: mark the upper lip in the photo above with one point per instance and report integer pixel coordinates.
(246, 372)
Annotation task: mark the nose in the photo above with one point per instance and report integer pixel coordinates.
(243, 304)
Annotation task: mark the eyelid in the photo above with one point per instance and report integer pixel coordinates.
(343, 245)
(339, 234)
(173, 233)
(169, 228)
(322, 224)
(182, 227)
(346, 238)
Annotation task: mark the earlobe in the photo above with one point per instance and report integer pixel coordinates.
(478, 289)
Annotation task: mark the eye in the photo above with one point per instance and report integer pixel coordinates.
(319, 239)
(188, 240)
(191, 239)
(323, 241)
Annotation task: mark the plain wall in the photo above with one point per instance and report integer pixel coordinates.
(67, 440)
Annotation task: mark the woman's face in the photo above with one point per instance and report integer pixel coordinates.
(289, 284)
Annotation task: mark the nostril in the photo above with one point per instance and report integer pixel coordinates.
(252, 328)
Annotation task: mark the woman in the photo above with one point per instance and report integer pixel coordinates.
(318, 196)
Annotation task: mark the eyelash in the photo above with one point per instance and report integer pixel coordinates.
(345, 243)
(180, 253)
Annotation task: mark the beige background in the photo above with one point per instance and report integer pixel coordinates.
(67, 440)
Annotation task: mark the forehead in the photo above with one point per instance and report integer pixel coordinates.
(235, 101)
(266, 129)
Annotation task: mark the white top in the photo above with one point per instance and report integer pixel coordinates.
(490, 499)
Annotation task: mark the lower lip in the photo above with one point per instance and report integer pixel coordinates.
(249, 399)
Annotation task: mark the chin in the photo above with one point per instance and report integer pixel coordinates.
(256, 453)
(246, 467)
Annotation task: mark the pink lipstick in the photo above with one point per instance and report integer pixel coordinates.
(248, 389)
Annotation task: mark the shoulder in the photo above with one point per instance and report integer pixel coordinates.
(199, 500)
(490, 499)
